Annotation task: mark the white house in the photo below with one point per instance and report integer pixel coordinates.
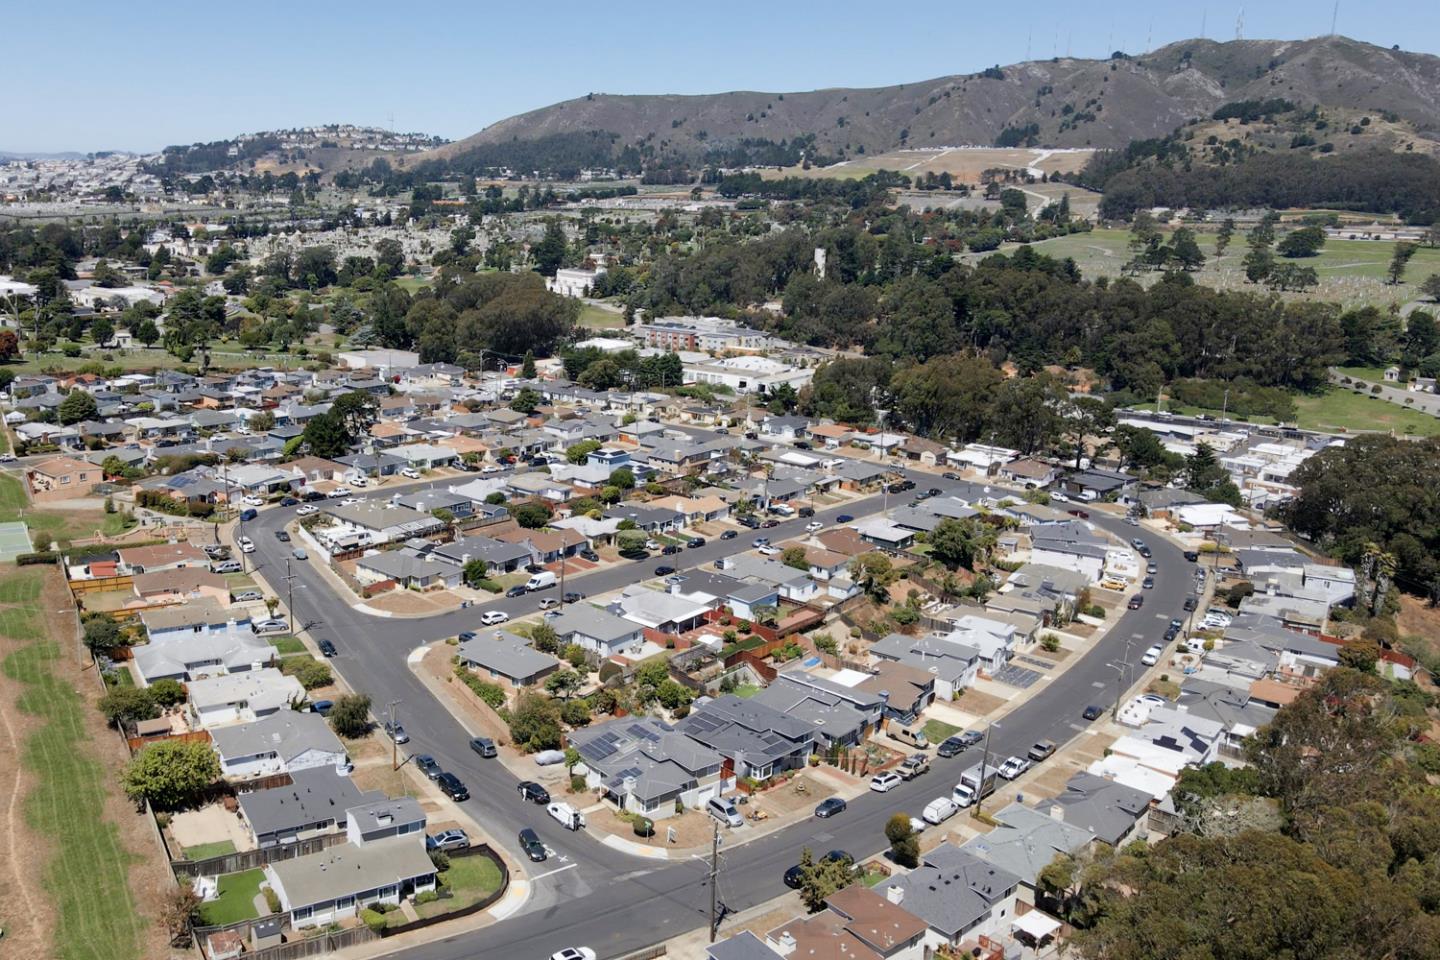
(281, 743)
(242, 697)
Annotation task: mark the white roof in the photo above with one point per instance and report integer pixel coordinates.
(262, 690)
(1036, 924)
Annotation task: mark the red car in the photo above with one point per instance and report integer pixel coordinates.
(1079, 513)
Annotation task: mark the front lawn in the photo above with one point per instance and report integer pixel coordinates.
(285, 646)
(468, 880)
(236, 900)
(938, 730)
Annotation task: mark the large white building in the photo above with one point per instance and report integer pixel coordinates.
(748, 374)
(573, 282)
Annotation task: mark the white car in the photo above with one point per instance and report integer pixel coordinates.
(885, 782)
(573, 953)
(348, 501)
(769, 551)
(410, 473)
(1013, 767)
(814, 525)
(1152, 656)
(491, 468)
(255, 501)
(491, 617)
(306, 510)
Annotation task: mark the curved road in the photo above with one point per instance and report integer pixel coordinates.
(590, 894)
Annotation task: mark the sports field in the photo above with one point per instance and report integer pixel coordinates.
(964, 163)
(1337, 410)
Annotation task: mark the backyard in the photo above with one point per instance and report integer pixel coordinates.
(236, 900)
(468, 880)
(54, 524)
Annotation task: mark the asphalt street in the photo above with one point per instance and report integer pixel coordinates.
(600, 897)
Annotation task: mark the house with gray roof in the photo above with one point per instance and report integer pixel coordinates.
(758, 740)
(499, 556)
(954, 665)
(503, 656)
(340, 881)
(743, 946)
(381, 817)
(645, 766)
(840, 715)
(409, 568)
(283, 742)
(1111, 812)
(960, 896)
(1024, 843)
(313, 804)
(598, 631)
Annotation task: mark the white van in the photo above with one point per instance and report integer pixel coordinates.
(724, 810)
(543, 580)
(939, 810)
(568, 816)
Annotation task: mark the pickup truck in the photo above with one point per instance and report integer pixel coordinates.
(913, 765)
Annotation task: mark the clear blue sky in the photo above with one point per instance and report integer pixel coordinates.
(140, 75)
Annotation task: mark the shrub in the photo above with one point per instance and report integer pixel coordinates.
(577, 783)
(492, 694)
(272, 899)
(488, 585)
(643, 827)
(310, 672)
(428, 896)
(1050, 643)
(373, 919)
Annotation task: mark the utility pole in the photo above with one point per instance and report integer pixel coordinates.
(395, 745)
(984, 772)
(714, 871)
(290, 594)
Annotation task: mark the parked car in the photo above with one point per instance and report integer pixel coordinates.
(573, 953)
(530, 843)
(492, 617)
(1151, 568)
(451, 786)
(882, 783)
(1145, 552)
(516, 591)
(426, 764)
(327, 648)
(484, 746)
(447, 840)
(1136, 602)
(1192, 555)
(1148, 583)
(282, 536)
(664, 570)
(532, 791)
(322, 707)
(769, 551)
(1152, 656)
(590, 555)
(729, 535)
(246, 596)
(724, 810)
(1013, 767)
(913, 765)
(1093, 712)
(341, 492)
(829, 807)
(396, 732)
(306, 510)
(275, 625)
(1041, 750)
(1190, 603)
(760, 542)
(950, 746)
(254, 501)
(299, 553)
(289, 502)
(1081, 514)
(246, 545)
(770, 523)
(670, 549)
(572, 596)
(549, 603)
(814, 525)
(939, 810)
(410, 473)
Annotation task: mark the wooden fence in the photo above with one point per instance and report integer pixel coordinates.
(250, 859)
(100, 584)
(140, 743)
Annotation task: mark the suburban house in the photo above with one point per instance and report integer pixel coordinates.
(661, 612)
(1110, 812)
(756, 741)
(184, 648)
(313, 804)
(408, 568)
(497, 555)
(283, 742)
(856, 924)
(959, 896)
(598, 631)
(160, 556)
(840, 716)
(342, 880)
(242, 697)
(993, 639)
(954, 665)
(1025, 842)
(645, 766)
(62, 478)
(546, 546)
(180, 584)
(505, 657)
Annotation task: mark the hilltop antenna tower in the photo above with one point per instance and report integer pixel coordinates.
(1204, 15)
(1334, 15)
(1028, 34)
(1240, 25)
(1149, 34)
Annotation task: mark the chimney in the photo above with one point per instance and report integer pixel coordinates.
(783, 944)
(895, 894)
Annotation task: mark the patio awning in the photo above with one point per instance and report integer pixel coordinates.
(1036, 924)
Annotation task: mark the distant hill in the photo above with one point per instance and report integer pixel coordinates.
(1063, 102)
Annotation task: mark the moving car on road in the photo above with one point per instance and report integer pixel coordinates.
(1093, 712)
(492, 617)
(885, 782)
(1042, 750)
(530, 843)
(829, 807)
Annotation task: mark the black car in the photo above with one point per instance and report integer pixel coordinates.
(1093, 712)
(1171, 634)
(310, 496)
(1192, 555)
(770, 523)
(465, 636)
(664, 570)
(588, 554)
(282, 536)
(749, 522)
(830, 807)
(1145, 552)
(670, 549)
(1176, 623)
(950, 476)
(729, 534)
(572, 597)
(935, 491)
(451, 786)
(807, 511)
(289, 502)
(1136, 602)
(950, 746)
(516, 591)
(1148, 583)
(327, 648)
(530, 843)
(802, 445)
(483, 746)
(532, 791)
(845, 518)
(1190, 603)
(426, 764)
(694, 542)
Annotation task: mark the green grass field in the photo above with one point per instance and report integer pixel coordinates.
(1368, 374)
(938, 730)
(236, 900)
(1338, 410)
(598, 318)
(54, 524)
(1352, 272)
(85, 872)
(469, 879)
(204, 851)
(286, 646)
